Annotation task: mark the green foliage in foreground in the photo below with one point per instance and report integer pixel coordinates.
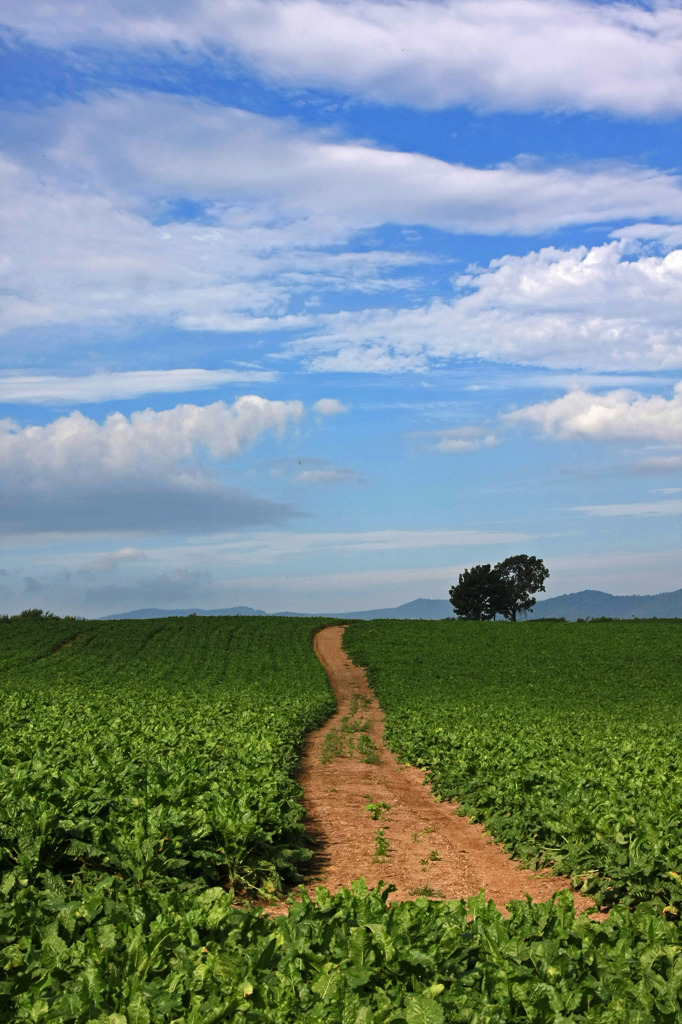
(156, 750)
(564, 738)
(120, 954)
(146, 772)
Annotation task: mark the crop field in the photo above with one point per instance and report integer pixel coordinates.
(149, 792)
(565, 739)
(157, 748)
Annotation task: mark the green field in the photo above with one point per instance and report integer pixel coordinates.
(148, 778)
(564, 738)
(157, 748)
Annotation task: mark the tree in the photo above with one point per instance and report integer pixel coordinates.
(478, 594)
(521, 576)
(485, 591)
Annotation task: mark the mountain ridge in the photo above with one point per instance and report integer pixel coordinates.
(579, 605)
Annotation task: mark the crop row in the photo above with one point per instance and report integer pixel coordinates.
(146, 773)
(565, 739)
(115, 955)
(162, 749)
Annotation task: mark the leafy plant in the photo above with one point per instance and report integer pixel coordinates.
(156, 749)
(147, 771)
(427, 890)
(367, 749)
(382, 846)
(101, 951)
(358, 702)
(351, 725)
(564, 738)
(377, 810)
(334, 745)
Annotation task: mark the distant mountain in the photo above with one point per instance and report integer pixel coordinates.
(586, 604)
(421, 608)
(595, 603)
(166, 613)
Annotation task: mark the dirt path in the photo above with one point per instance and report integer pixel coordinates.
(431, 848)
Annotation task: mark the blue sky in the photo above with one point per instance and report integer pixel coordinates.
(311, 304)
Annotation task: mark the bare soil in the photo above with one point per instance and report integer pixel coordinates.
(432, 850)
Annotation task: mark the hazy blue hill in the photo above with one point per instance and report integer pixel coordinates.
(421, 608)
(595, 603)
(165, 613)
(586, 604)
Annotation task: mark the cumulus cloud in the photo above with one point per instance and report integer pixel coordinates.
(620, 415)
(156, 144)
(71, 254)
(610, 307)
(461, 439)
(144, 443)
(492, 54)
(329, 407)
(667, 235)
(91, 235)
(145, 470)
(101, 387)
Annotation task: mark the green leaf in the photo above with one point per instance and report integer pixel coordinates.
(360, 947)
(329, 984)
(137, 1012)
(422, 1009)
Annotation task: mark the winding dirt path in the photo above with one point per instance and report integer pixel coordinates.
(431, 848)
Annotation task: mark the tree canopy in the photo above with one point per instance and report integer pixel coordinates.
(506, 589)
(478, 595)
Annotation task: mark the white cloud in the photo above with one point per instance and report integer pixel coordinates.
(144, 471)
(268, 546)
(668, 235)
(329, 407)
(326, 475)
(161, 145)
(499, 54)
(670, 507)
(88, 233)
(113, 559)
(147, 442)
(77, 254)
(607, 308)
(455, 439)
(101, 387)
(461, 439)
(548, 380)
(621, 415)
(72, 255)
(312, 471)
